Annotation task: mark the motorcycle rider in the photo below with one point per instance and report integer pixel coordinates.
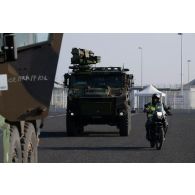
(150, 109)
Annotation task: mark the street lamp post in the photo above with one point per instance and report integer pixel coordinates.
(189, 70)
(141, 62)
(181, 35)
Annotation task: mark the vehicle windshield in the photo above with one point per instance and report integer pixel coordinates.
(97, 81)
(25, 39)
(159, 107)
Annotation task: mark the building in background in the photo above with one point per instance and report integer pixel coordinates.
(189, 88)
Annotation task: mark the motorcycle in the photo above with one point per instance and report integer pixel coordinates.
(159, 127)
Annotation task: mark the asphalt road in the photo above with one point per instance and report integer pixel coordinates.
(103, 144)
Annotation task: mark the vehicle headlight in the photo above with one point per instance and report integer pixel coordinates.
(159, 114)
(121, 114)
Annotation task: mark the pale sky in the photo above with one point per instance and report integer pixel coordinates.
(161, 54)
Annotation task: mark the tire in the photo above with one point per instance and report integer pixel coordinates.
(165, 130)
(81, 129)
(152, 144)
(71, 128)
(160, 138)
(15, 151)
(29, 144)
(151, 138)
(125, 125)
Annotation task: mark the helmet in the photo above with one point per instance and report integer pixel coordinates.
(155, 98)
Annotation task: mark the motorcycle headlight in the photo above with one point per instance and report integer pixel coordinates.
(159, 114)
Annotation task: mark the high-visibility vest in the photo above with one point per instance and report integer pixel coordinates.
(150, 109)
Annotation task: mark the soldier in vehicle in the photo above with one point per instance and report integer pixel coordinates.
(150, 109)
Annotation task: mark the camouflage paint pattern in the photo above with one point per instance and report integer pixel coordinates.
(6, 134)
(30, 81)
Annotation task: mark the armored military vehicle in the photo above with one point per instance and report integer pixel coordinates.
(28, 64)
(96, 95)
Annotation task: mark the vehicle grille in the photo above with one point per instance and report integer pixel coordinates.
(96, 108)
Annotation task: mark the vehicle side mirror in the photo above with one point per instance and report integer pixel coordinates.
(131, 80)
(9, 47)
(66, 79)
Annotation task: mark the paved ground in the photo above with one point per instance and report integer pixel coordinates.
(102, 143)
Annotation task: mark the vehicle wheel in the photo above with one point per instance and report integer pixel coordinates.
(160, 139)
(29, 144)
(165, 130)
(71, 128)
(81, 129)
(15, 151)
(152, 144)
(125, 125)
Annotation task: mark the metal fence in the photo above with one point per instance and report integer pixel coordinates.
(174, 99)
(58, 100)
(181, 101)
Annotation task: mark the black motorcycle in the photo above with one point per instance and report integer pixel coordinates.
(159, 127)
